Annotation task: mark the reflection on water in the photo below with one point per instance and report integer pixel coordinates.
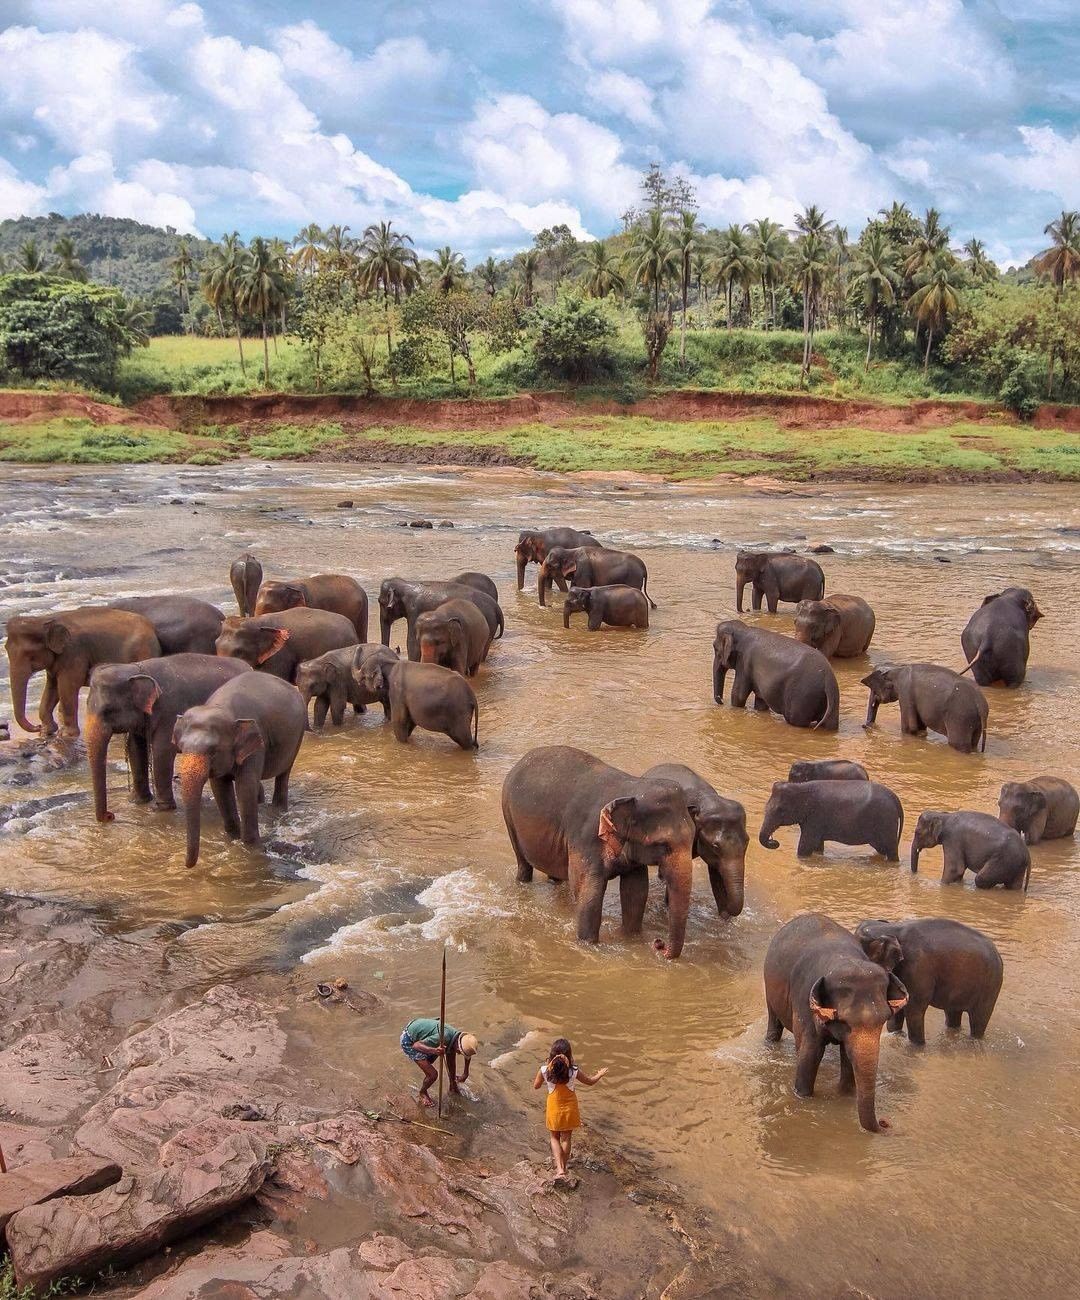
(388, 852)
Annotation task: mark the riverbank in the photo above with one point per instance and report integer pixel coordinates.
(673, 436)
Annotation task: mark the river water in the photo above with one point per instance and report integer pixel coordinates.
(389, 852)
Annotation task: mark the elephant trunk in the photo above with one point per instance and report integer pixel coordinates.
(98, 736)
(543, 585)
(194, 771)
(322, 704)
(20, 677)
(728, 883)
(871, 711)
(385, 624)
(863, 1046)
(740, 587)
(678, 877)
(768, 825)
(566, 615)
(719, 672)
(521, 563)
(916, 848)
(427, 652)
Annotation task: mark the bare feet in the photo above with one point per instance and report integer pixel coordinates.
(425, 1100)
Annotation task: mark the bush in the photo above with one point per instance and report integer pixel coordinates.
(1020, 388)
(571, 339)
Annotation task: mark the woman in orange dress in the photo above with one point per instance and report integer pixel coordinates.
(562, 1077)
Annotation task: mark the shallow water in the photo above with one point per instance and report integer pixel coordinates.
(389, 852)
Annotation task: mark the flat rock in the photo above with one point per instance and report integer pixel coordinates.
(44, 1078)
(79, 1236)
(33, 1184)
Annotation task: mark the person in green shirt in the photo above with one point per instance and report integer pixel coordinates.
(420, 1043)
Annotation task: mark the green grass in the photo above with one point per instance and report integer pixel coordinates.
(75, 441)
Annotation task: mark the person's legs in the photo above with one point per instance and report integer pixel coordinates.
(430, 1075)
(557, 1153)
(565, 1140)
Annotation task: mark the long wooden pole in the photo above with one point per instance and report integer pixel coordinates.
(442, 1022)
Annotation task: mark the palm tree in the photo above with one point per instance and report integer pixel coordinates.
(529, 266)
(700, 272)
(308, 247)
(839, 256)
(687, 237)
(67, 259)
(734, 266)
(261, 287)
(651, 258)
(876, 278)
(981, 269)
(1060, 263)
(136, 318)
(809, 265)
(220, 283)
(813, 221)
(181, 264)
(602, 274)
(488, 274)
(29, 258)
(932, 237)
(937, 297)
(768, 247)
(387, 264)
(446, 270)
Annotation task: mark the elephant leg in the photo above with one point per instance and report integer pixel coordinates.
(811, 1050)
(281, 790)
(139, 763)
(68, 685)
(321, 706)
(740, 689)
(163, 757)
(910, 722)
(895, 1022)
(460, 731)
(225, 798)
(979, 1018)
(915, 1016)
(590, 907)
(809, 842)
(561, 582)
(47, 706)
(774, 1028)
(595, 621)
(633, 895)
(959, 736)
(337, 707)
(756, 594)
(412, 646)
(847, 1071)
(952, 872)
(953, 1019)
(772, 597)
(247, 798)
(995, 872)
(759, 704)
(524, 867)
(401, 721)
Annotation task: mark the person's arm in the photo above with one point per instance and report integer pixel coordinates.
(590, 1079)
(451, 1066)
(538, 1082)
(465, 1074)
(429, 1051)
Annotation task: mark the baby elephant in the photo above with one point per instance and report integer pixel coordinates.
(328, 680)
(839, 626)
(827, 769)
(974, 841)
(849, 812)
(1044, 808)
(372, 652)
(454, 634)
(425, 695)
(931, 698)
(615, 605)
(942, 964)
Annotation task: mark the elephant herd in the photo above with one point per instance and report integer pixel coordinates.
(225, 700)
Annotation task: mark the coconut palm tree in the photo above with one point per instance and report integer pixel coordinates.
(688, 234)
(67, 259)
(1060, 263)
(734, 266)
(488, 275)
(387, 264)
(937, 297)
(446, 270)
(931, 239)
(700, 271)
(602, 274)
(768, 247)
(30, 258)
(220, 284)
(651, 260)
(812, 221)
(809, 266)
(529, 268)
(308, 247)
(981, 269)
(877, 275)
(181, 265)
(261, 287)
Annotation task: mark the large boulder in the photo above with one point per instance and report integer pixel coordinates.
(33, 1184)
(79, 1236)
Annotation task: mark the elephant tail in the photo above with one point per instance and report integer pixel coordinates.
(475, 725)
(830, 719)
(982, 743)
(974, 659)
(645, 591)
(502, 623)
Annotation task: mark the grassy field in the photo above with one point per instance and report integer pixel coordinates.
(684, 450)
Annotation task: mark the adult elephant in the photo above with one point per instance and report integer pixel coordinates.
(942, 964)
(334, 592)
(574, 818)
(400, 598)
(720, 838)
(973, 841)
(245, 576)
(248, 731)
(781, 673)
(455, 635)
(1044, 808)
(279, 643)
(996, 639)
(827, 769)
(533, 545)
(776, 576)
(480, 581)
(839, 626)
(848, 812)
(820, 985)
(142, 700)
(930, 698)
(67, 646)
(584, 567)
(184, 624)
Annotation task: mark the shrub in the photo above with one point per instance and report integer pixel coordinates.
(571, 339)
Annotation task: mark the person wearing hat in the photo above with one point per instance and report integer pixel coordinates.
(420, 1043)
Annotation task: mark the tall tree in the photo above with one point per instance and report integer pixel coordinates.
(261, 288)
(488, 274)
(601, 268)
(930, 238)
(529, 268)
(877, 275)
(687, 235)
(1060, 263)
(181, 265)
(652, 261)
(308, 245)
(734, 266)
(979, 266)
(812, 221)
(558, 248)
(769, 248)
(68, 264)
(446, 270)
(30, 258)
(937, 297)
(387, 265)
(809, 266)
(220, 282)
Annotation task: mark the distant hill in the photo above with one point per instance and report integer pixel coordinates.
(114, 250)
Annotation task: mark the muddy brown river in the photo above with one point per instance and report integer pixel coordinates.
(389, 852)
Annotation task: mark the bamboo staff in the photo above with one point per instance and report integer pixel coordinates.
(442, 1022)
(3, 1167)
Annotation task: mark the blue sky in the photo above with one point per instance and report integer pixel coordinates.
(477, 122)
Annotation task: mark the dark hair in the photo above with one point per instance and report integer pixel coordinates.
(561, 1047)
(560, 1061)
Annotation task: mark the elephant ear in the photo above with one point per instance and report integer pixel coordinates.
(457, 632)
(615, 821)
(886, 951)
(271, 639)
(819, 1001)
(993, 596)
(873, 680)
(897, 994)
(247, 739)
(297, 596)
(145, 692)
(57, 636)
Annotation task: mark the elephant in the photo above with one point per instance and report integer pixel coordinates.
(849, 812)
(613, 604)
(574, 818)
(827, 769)
(143, 700)
(248, 731)
(840, 626)
(942, 964)
(720, 838)
(820, 985)
(372, 652)
(330, 591)
(931, 697)
(246, 575)
(424, 695)
(328, 680)
(400, 598)
(1044, 808)
(781, 673)
(454, 634)
(776, 576)
(279, 643)
(533, 546)
(478, 582)
(65, 646)
(974, 841)
(995, 640)
(184, 625)
(590, 567)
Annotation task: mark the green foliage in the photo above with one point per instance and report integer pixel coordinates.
(571, 339)
(77, 441)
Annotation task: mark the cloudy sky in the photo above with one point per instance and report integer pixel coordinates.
(477, 122)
